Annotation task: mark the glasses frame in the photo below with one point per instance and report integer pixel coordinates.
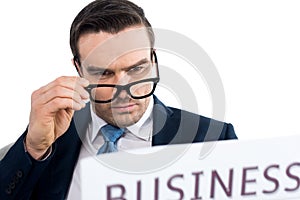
(121, 88)
(127, 86)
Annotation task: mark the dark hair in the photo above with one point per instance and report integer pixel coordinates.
(111, 16)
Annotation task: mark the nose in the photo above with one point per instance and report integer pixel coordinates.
(123, 94)
(122, 79)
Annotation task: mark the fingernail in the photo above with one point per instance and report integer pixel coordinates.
(83, 104)
(86, 94)
(84, 82)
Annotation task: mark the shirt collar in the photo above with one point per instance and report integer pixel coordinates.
(136, 129)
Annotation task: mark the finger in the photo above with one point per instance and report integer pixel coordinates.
(62, 104)
(82, 91)
(71, 83)
(67, 82)
(60, 92)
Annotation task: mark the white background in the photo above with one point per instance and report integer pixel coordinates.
(255, 46)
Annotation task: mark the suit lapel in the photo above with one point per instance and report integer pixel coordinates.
(175, 126)
(163, 130)
(81, 120)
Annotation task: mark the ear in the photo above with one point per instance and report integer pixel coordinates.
(77, 66)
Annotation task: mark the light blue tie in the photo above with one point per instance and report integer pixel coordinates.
(110, 135)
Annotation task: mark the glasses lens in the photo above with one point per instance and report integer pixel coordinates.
(138, 90)
(103, 93)
(142, 89)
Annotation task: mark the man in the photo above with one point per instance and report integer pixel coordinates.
(113, 47)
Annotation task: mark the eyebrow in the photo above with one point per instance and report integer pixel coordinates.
(95, 68)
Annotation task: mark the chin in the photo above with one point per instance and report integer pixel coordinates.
(125, 120)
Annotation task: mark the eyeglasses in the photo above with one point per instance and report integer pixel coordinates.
(105, 93)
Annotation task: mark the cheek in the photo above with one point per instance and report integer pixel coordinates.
(103, 109)
(143, 104)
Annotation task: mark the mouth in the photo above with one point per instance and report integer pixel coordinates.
(124, 108)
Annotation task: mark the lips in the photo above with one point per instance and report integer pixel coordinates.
(124, 108)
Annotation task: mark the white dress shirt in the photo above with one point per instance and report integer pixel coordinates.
(138, 135)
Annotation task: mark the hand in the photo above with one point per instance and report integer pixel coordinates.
(52, 109)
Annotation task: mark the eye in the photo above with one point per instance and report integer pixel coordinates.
(107, 73)
(138, 70)
(102, 73)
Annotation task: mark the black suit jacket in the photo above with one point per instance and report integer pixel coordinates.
(22, 177)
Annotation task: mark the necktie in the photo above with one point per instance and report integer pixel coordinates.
(110, 135)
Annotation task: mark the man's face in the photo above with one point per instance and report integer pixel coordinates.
(116, 59)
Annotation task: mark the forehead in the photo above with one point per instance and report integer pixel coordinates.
(107, 47)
